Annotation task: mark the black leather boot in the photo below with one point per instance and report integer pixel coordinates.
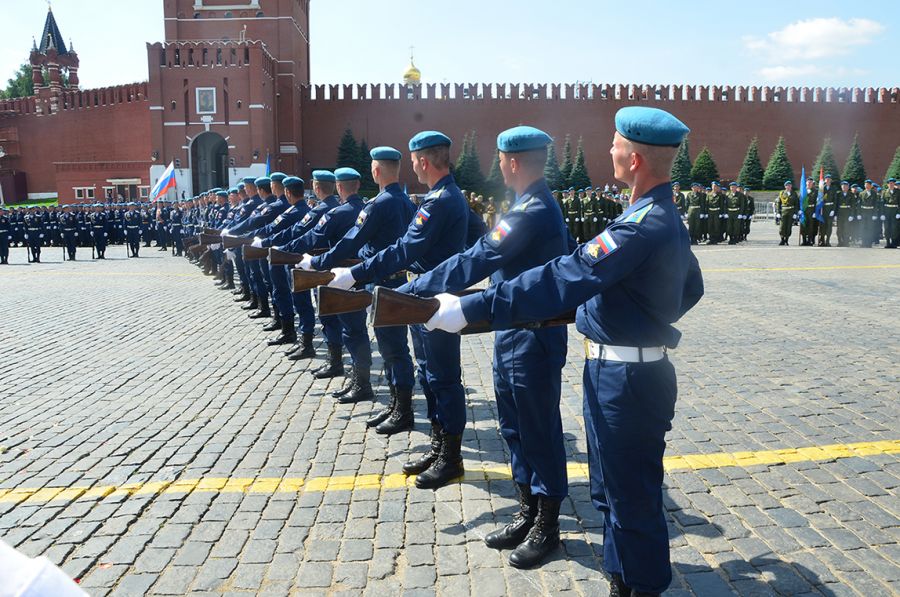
(253, 305)
(515, 532)
(401, 417)
(264, 310)
(361, 389)
(273, 325)
(288, 333)
(229, 277)
(421, 464)
(348, 387)
(447, 466)
(304, 350)
(382, 415)
(617, 587)
(334, 363)
(543, 537)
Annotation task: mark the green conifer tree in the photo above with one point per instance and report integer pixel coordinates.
(854, 170)
(779, 168)
(704, 169)
(552, 173)
(495, 186)
(348, 151)
(567, 164)
(681, 167)
(825, 161)
(579, 177)
(893, 170)
(367, 187)
(751, 174)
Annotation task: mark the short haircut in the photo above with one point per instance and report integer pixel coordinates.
(531, 160)
(438, 156)
(658, 158)
(325, 186)
(264, 186)
(352, 185)
(390, 167)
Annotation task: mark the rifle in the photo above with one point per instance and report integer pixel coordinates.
(232, 242)
(190, 241)
(279, 257)
(209, 239)
(334, 301)
(254, 253)
(212, 231)
(391, 308)
(196, 249)
(307, 280)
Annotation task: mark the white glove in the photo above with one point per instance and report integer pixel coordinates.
(850, 219)
(595, 219)
(796, 217)
(306, 262)
(343, 279)
(449, 316)
(230, 254)
(831, 214)
(859, 217)
(882, 218)
(897, 216)
(42, 236)
(257, 243)
(225, 231)
(215, 247)
(874, 218)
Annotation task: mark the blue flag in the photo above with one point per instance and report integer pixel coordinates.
(802, 194)
(268, 164)
(820, 200)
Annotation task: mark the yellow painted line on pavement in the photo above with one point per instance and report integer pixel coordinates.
(797, 269)
(94, 274)
(273, 485)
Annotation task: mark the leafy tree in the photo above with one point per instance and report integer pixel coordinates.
(854, 170)
(751, 174)
(893, 170)
(20, 85)
(579, 177)
(348, 151)
(554, 176)
(681, 167)
(779, 168)
(704, 169)
(494, 187)
(567, 165)
(825, 161)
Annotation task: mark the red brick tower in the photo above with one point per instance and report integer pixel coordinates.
(225, 90)
(53, 57)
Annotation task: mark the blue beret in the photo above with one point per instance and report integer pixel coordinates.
(427, 139)
(263, 180)
(240, 186)
(249, 180)
(892, 180)
(234, 190)
(277, 177)
(810, 179)
(845, 182)
(345, 174)
(570, 189)
(715, 183)
(732, 184)
(828, 175)
(223, 193)
(292, 182)
(788, 182)
(522, 138)
(323, 176)
(696, 184)
(650, 126)
(385, 154)
(869, 180)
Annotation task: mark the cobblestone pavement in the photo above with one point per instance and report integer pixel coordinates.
(151, 443)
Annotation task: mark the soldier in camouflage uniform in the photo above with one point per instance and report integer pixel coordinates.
(573, 215)
(845, 213)
(810, 225)
(890, 199)
(715, 207)
(679, 198)
(870, 212)
(787, 208)
(748, 211)
(734, 208)
(829, 205)
(696, 212)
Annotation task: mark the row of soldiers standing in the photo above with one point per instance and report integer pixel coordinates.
(588, 212)
(713, 214)
(862, 215)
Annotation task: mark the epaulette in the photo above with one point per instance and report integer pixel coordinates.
(638, 216)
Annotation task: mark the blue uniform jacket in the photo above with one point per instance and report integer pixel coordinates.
(437, 232)
(306, 223)
(285, 220)
(476, 229)
(265, 214)
(532, 233)
(332, 226)
(630, 283)
(245, 210)
(380, 223)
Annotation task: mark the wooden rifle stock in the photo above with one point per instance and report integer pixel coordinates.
(231, 242)
(196, 249)
(390, 307)
(209, 239)
(307, 280)
(279, 257)
(212, 231)
(254, 253)
(334, 301)
(190, 241)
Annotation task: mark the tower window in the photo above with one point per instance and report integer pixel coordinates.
(260, 14)
(228, 15)
(196, 15)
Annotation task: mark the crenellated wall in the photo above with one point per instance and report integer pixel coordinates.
(725, 118)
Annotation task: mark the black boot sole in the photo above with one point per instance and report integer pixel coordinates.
(438, 481)
(403, 425)
(281, 341)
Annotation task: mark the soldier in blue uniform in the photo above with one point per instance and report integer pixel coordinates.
(249, 202)
(98, 222)
(176, 228)
(6, 235)
(382, 221)
(281, 292)
(132, 220)
(630, 284)
(68, 224)
(323, 187)
(437, 232)
(527, 363)
(34, 235)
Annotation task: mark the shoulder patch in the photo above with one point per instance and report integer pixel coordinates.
(421, 217)
(323, 220)
(602, 245)
(523, 206)
(360, 220)
(500, 231)
(435, 194)
(639, 215)
(306, 218)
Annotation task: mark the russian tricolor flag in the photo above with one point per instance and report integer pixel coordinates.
(166, 182)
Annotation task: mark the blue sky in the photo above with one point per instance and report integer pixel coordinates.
(763, 42)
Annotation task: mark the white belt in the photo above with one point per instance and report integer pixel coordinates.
(622, 354)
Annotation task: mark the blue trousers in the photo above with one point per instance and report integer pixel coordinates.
(355, 337)
(331, 327)
(527, 384)
(281, 291)
(628, 408)
(100, 239)
(304, 308)
(394, 349)
(260, 276)
(440, 374)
